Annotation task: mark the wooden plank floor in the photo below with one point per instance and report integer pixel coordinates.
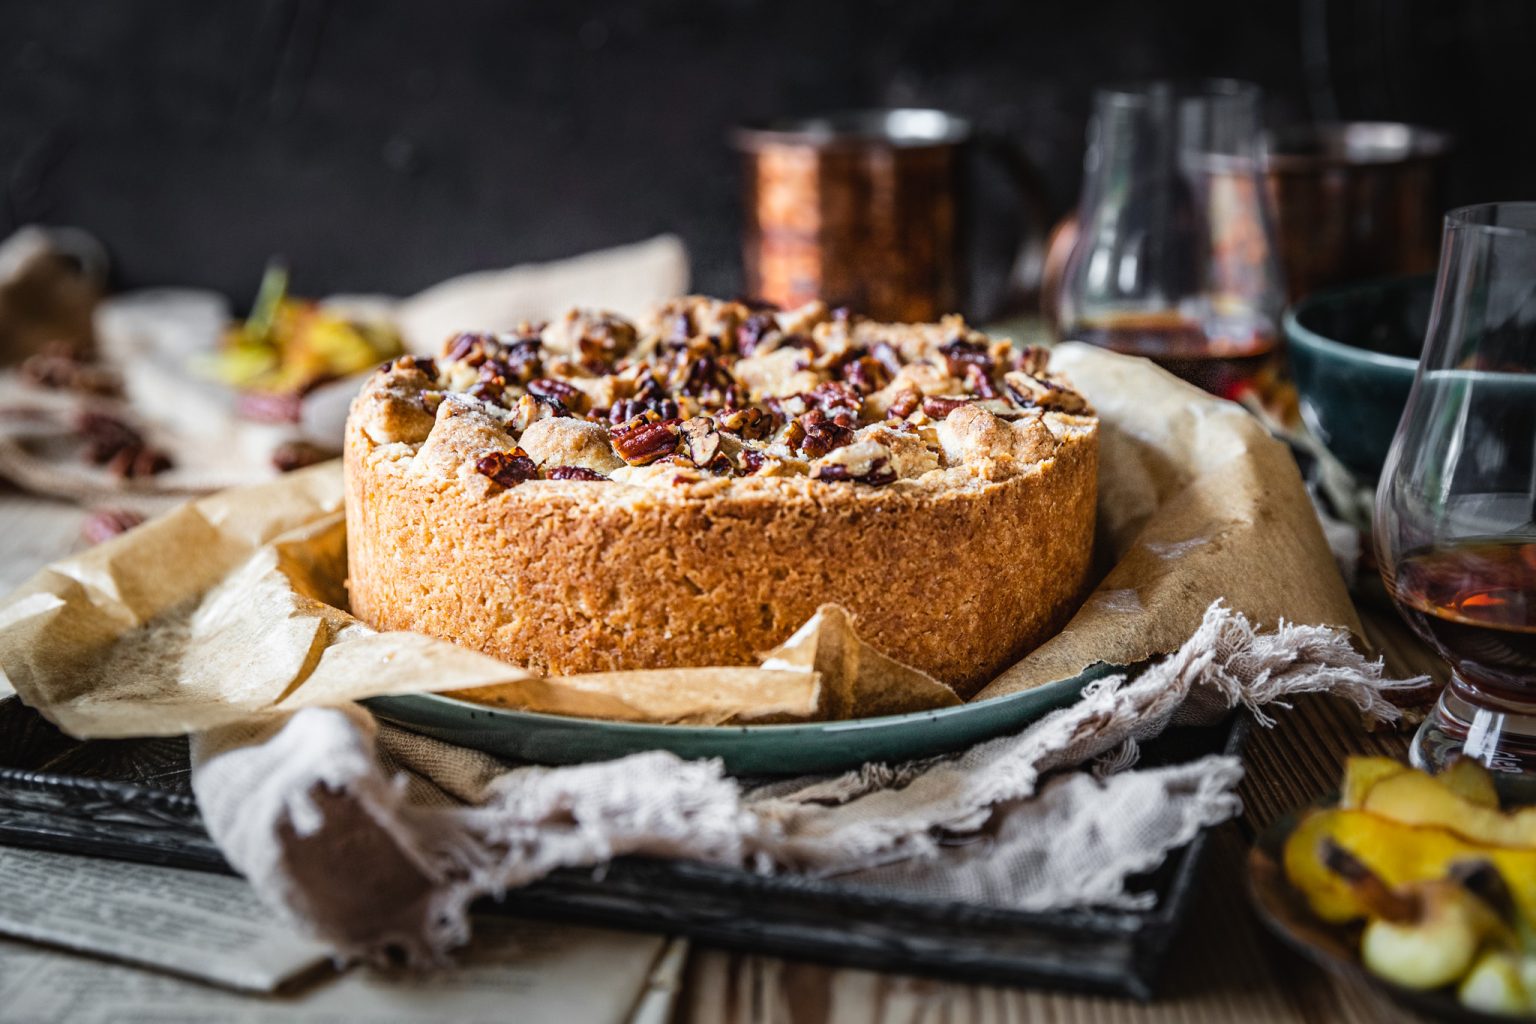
(1226, 968)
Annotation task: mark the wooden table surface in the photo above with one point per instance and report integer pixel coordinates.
(1226, 968)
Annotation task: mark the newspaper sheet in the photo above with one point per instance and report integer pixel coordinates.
(528, 972)
(212, 928)
(189, 922)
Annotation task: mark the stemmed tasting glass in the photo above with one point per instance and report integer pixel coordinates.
(1175, 257)
(1455, 525)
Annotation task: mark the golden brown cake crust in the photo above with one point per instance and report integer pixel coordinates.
(972, 554)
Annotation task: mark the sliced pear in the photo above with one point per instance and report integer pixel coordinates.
(1361, 773)
(1528, 976)
(1398, 853)
(1494, 985)
(1465, 777)
(1471, 781)
(1417, 799)
(1433, 949)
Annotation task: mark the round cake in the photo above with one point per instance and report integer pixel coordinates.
(592, 494)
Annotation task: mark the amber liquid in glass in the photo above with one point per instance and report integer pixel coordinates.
(1225, 365)
(1475, 602)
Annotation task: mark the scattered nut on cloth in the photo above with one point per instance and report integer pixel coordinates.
(375, 838)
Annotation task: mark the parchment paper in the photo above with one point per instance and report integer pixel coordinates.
(1196, 501)
(228, 608)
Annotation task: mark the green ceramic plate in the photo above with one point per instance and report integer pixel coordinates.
(745, 749)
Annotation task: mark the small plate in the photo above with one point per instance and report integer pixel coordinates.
(1284, 910)
(746, 749)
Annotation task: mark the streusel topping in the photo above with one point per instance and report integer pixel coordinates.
(708, 389)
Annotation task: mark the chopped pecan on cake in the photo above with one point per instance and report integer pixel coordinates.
(725, 388)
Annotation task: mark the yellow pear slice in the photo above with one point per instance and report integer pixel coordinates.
(1432, 951)
(1398, 853)
(1361, 773)
(1471, 781)
(1417, 799)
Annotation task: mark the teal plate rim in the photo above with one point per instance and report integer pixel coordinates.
(777, 749)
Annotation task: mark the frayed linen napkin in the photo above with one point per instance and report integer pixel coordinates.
(377, 839)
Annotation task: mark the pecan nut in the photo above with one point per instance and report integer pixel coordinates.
(1032, 359)
(787, 408)
(646, 438)
(701, 440)
(558, 394)
(907, 401)
(132, 463)
(751, 423)
(706, 376)
(938, 407)
(59, 366)
(604, 338)
(105, 436)
(754, 330)
(878, 474)
(752, 460)
(815, 434)
(422, 363)
(678, 328)
(106, 523)
(515, 358)
(979, 382)
(1036, 392)
(886, 356)
(835, 396)
(296, 454)
(960, 354)
(121, 449)
(469, 348)
(865, 374)
(492, 391)
(522, 360)
(626, 409)
(572, 473)
(507, 469)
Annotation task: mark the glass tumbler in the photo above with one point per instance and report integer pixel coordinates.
(1455, 526)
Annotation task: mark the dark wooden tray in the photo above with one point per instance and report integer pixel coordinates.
(131, 800)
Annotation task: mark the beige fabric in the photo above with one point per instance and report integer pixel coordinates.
(374, 837)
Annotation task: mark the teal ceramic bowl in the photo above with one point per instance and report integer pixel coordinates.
(1353, 353)
(796, 749)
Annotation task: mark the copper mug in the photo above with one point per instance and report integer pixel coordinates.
(1357, 200)
(1352, 201)
(866, 209)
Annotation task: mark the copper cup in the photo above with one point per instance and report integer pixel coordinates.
(863, 209)
(1356, 200)
(1353, 201)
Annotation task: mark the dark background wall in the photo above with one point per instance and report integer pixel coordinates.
(386, 145)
